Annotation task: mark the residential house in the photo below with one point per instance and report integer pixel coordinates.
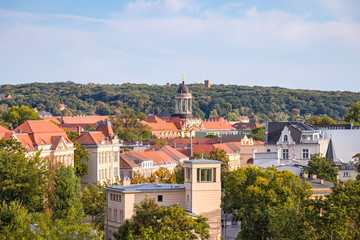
(45, 136)
(294, 141)
(145, 163)
(104, 152)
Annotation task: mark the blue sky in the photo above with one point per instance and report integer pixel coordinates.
(306, 44)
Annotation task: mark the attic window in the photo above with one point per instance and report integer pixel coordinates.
(285, 138)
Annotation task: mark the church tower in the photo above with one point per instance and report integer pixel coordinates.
(183, 102)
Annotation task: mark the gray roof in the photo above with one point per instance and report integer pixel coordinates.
(315, 183)
(274, 130)
(146, 187)
(330, 152)
(202, 161)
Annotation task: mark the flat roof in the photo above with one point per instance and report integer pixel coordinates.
(145, 187)
(202, 161)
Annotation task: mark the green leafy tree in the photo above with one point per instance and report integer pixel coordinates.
(129, 128)
(81, 155)
(158, 142)
(66, 195)
(322, 168)
(22, 178)
(265, 202)
(90, 128)
(353, 114)
(94, 203)
(356, 161)
(214, 113)
(16, 222)
(15, 116)
(179, 173)
(153, 222)
(258, 134)
(164, 176)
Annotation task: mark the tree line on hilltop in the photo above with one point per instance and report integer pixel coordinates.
(229, 101)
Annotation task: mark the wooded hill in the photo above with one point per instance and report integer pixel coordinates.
(231, 101)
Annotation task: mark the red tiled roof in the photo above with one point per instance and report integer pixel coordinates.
(163, 126)
(203, 148)
(4, 130)
(92, 138)
(39, 126)
(225, 147)
(25, 140)
(166, 155)
(219, 125)
(106, 130)
(78, 119)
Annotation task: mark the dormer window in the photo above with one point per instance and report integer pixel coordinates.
(285, 138)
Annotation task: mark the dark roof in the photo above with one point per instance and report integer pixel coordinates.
(330, 152)
(202, 161)
(145, 187)
(183, 89)
(274, 130)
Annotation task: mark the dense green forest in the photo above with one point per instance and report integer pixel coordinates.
(231, 101)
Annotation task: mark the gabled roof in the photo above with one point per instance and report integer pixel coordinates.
(274, 130)
(92, 138)
(163, 126)
(225, 147)
(330, 152)
(105, 128)
(217, 125)
(25, 140)
(166, 155)
(39, 126)
(4, 130)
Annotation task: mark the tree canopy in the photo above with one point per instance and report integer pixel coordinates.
(321, 166)
(268, 203)
(22, 178)
(259, 103)
(15, 116)
(157, 222)
(353, 114)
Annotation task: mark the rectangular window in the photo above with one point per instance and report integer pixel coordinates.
(109, 213)
(305, 153)
(117, 198)
(205, 175)
(285, 153)
(214, 174)
(198, 175)
(188, 174)
(160, 198)
(121, 216)
(115, 156)
(115, 215)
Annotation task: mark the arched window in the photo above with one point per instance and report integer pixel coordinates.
(285, 138)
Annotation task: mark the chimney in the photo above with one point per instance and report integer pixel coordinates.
(78, 130)
(126, 182)
(321, 181)
(313, 176)
(305, 175)
(156, 180)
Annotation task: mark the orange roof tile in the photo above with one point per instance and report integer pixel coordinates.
(4, 130)
(39, 126)
(219, 125)
(225, 147)
(92, 138)
(164, 126)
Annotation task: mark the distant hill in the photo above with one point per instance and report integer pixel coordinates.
(259, 103)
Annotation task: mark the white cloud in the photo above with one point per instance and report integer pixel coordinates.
(280, 47)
